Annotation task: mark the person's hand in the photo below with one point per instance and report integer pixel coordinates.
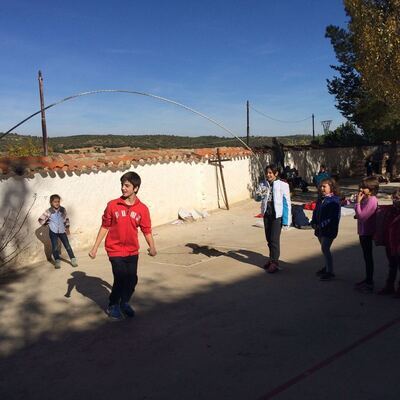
(360, 196)
(92, 253)
(67, 231)
(151, 251)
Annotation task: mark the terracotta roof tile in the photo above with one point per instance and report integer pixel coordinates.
(111, 160)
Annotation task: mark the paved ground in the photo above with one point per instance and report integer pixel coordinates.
(211, 323)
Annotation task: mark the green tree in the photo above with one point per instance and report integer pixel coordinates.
(362, 105)
(345, 134)
(375, 29)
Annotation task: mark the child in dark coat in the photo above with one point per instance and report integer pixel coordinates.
(388, 234)
(325, 222)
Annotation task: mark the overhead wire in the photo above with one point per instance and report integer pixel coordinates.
(146, 95)
(279, 120)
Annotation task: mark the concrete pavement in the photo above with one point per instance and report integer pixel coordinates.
(211, 324)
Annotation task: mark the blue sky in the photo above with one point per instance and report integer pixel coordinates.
(211, 55)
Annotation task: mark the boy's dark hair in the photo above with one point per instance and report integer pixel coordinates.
(54, 196)
(273, 167)
(133, 178)
(332, 184)
(371, 183)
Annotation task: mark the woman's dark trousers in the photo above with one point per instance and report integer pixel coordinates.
(273, 228)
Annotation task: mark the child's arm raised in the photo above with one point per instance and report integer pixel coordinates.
(369, 208)
(44, 218)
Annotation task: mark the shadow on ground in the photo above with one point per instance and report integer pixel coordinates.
(236, 340)
(92, 287)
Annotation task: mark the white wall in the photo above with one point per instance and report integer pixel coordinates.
(165, 188)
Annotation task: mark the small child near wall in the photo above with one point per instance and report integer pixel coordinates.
(57, 220)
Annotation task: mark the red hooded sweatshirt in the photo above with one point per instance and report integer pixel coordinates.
(122, 221)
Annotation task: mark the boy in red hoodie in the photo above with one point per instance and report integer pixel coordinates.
(121, 220)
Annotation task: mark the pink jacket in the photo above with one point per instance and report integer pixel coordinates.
(365, 214)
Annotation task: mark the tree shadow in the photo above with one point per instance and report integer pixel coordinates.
(14, 218)
(257, 165)
(92, 287)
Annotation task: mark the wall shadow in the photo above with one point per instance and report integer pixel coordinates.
(257, 165)
(42, 234)
(15, 206)
(236, 339)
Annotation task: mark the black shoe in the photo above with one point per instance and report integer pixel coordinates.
(366, 288)
(321, 271)
(327, 276)
(127, 310)
(360, 284)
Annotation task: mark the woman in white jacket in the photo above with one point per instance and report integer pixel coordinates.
(276, 207)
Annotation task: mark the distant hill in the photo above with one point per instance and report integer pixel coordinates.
(62, 143)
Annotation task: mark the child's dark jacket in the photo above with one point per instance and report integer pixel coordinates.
(326, 216)
(388, 229)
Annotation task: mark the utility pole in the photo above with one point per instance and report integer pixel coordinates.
(222, 178)
(248, 123)
(42, 110)
(313, 130)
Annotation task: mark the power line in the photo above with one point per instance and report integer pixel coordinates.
(279, 120)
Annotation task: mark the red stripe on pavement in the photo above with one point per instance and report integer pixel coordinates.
(327, 361)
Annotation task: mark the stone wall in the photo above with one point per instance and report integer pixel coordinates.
(346, 161)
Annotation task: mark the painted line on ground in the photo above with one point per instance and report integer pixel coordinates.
(327, 361)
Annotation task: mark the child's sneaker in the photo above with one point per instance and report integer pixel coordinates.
(366, 288)
(127, 310)
(360, 284)
(321, 271)
(273, 267)
(74, 262)
(327, 276)
(57, 264)
(114, 312)
(387, 290)
(266, 265)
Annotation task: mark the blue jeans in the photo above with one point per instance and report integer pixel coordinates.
(326, 244)
(54, 244)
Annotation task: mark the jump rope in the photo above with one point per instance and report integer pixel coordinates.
(164, 99)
